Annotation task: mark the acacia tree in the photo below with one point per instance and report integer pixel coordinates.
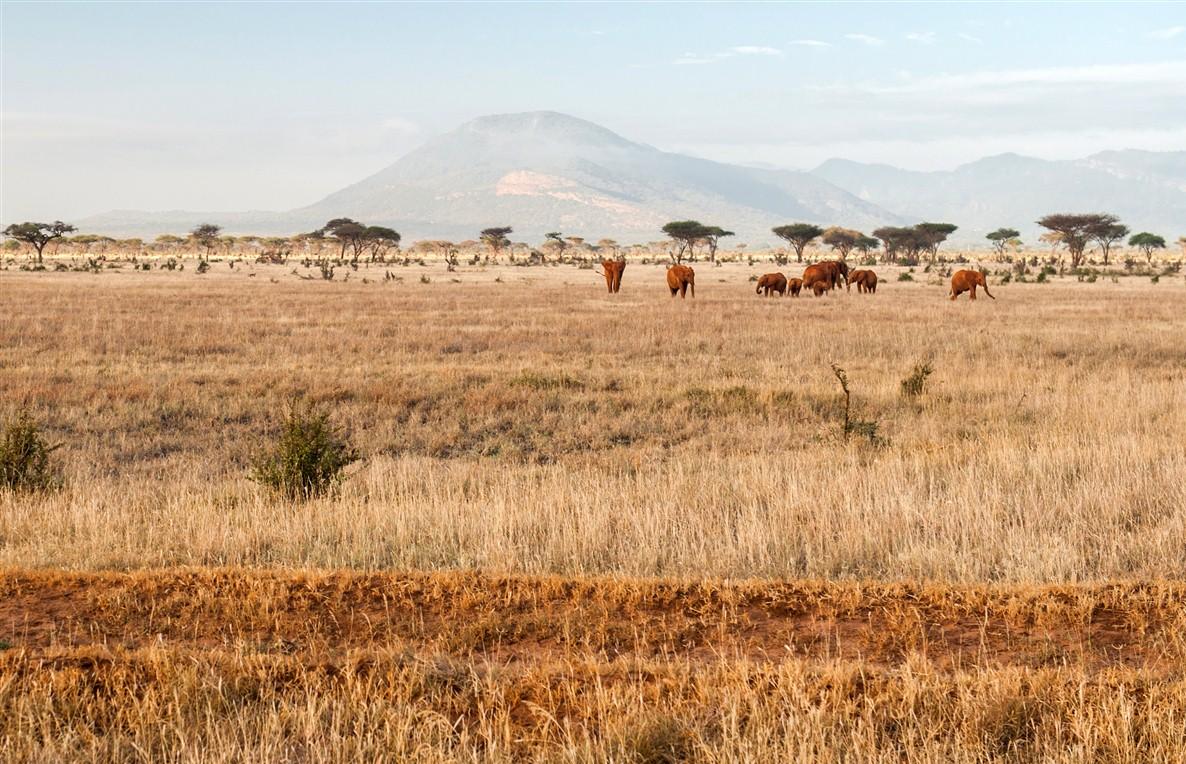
(901, 242)
(1001, 237)
(1107, 233)
(931, 235)
(378, 239)
(712, 236)
(38, 234)
(685, 234)
(205, 235)
(496, 238)
(1076, 230)
(348, 233)
(867, 244)
(1147, 242)
(799, 236)
(841, 240)
(557, 240)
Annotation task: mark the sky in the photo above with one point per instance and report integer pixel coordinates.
(230, 106)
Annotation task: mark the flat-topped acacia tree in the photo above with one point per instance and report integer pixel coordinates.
(841, 240)
(934, 234)
(496, 238)
(799, 236)
(1147, 242)
(38, 234)
(205, 235)
(1107, 234)
(1001, 238)
(1076, 230)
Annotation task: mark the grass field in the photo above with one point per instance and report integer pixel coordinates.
(654, 540)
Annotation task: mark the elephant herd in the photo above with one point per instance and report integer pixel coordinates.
(817, 278)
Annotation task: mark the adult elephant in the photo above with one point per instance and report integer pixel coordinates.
(680, 280)
(772, 282)
(612, 270)
(824, 276)
(866, 281)
(967, 281)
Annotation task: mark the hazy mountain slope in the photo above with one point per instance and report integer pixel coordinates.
(544, 171)
(1146, 189)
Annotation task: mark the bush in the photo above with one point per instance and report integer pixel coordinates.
(25, 463)
(905, 276)
(915, 383)
(308, 458)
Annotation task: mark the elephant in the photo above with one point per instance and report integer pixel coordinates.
(795, 286)
(772, 282)
(967, 281)
(612, 270)
(866, 281)
(828, 273)
(680, 280)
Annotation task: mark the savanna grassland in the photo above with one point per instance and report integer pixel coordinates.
(592, 527)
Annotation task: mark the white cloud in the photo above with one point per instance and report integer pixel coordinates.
(755, 50)
(1168, 33)
(925, 38)
(1168, 72)
(866, 39)
(812, 43)
(970, 38)
(401, 125)
(736, 50)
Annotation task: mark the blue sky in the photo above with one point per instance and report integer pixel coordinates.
(230, 106)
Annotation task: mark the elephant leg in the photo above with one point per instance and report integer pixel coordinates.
(972, 293)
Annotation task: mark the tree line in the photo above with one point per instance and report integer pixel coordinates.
(690, 238)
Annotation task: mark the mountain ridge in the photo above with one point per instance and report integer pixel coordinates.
(544, 170)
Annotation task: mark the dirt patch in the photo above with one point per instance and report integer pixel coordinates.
(519, 619)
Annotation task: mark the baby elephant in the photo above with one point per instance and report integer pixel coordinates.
(680, 280)
(866, 281)
(796, 286)
(967, 281)
(772, 282)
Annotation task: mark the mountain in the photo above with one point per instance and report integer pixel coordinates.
(545, 171)
(1146, 189)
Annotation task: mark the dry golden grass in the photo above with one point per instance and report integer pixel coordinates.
(538, 425)
(520, 421)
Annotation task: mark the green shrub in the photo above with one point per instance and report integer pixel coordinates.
(25, 463)
(905, 276)
(308, 458)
